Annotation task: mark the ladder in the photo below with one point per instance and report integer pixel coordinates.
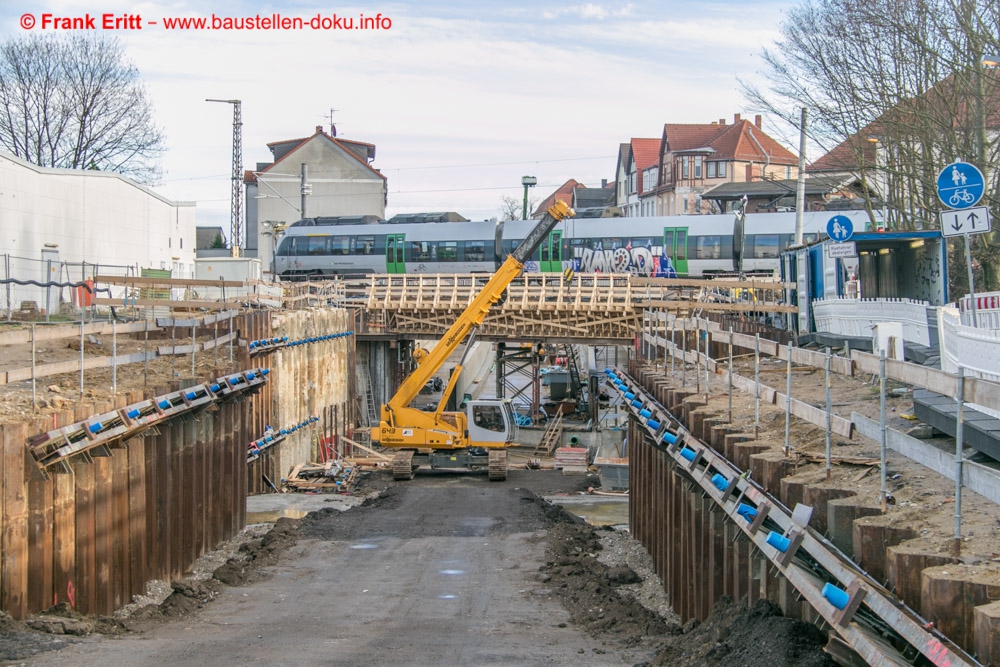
(368, 412)
(578, 388)
(551, 437)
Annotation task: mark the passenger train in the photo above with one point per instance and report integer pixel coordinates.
(649, 246)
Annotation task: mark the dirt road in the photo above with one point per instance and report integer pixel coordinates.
(441, 570)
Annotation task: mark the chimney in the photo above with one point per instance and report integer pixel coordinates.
(722, 121)
(756, 121)
(604, 182)
(736, 118)
(319, 128)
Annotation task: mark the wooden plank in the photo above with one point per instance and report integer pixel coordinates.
(14, 555)
(62, 331)
(64, 536)
(716, 307)
(383, 456)
(163, 303)
(86, 565)
(169, 282)
(120, 575)
(137, 514)
(189, 490)
(58, 368)
(39, 536)
(103, 525)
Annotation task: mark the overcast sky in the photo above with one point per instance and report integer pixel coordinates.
(461, 99)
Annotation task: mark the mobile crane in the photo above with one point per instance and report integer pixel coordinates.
(478, 437)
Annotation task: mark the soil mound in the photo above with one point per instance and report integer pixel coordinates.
(736, 635)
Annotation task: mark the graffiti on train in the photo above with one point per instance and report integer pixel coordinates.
(638, 261)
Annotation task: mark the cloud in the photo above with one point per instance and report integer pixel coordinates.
(589, 11)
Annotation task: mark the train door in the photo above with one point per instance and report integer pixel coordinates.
(395, 245)
(675, 242)
(551, 253)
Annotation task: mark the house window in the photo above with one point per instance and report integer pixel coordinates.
(697, 166)
(788, 171)
(711, 170)
(720, 169)
(684, 168)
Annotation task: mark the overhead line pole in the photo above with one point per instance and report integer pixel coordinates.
(236, 241)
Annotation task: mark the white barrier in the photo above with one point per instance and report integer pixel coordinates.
(976, 350)
(856, 317)
(987, 310)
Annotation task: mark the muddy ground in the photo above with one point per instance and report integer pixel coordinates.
(446, 569)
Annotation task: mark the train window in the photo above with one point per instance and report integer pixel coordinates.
(317, 245)
(286, 247)
(475, 251)
(708, 247)
(340, 245)
(765, 246)
(447, 251)
(364, 245)
(421, 251)
(681, 243)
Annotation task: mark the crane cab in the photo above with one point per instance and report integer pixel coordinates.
(491, 423)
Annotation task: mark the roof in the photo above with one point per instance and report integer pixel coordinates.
(740, 141)
(564, 192)
(282, 149)
(815, 185)
(592, 197)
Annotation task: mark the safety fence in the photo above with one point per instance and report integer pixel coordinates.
(857, 317)
(987, 308)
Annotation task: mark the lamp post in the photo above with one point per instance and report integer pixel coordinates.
(527, 182)
(884, 179)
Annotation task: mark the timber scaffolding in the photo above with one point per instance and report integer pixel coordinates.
(711, 509)
(590, 308)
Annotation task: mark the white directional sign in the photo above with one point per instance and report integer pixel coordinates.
(968, 221)
(848, 249)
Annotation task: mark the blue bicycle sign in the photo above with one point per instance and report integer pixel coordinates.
(960, 185)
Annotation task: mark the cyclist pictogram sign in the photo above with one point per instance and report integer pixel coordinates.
(960, 185)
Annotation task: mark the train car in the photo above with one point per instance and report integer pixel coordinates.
(651, 246)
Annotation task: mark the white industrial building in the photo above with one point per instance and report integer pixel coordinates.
(56, 223)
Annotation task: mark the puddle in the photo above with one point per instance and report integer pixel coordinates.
(599, 513)
(447, 597)
(274, 515)
(451, 571)
(364, 546)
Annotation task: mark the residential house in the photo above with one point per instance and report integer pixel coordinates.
(695, 158)
(641, 175)
(339, 180)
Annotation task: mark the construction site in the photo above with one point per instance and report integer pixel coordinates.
(218, 479)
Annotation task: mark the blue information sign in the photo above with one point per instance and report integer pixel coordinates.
(840, 228)
(960, 185)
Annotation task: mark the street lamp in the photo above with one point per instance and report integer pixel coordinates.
(884, 178)
(527, 182)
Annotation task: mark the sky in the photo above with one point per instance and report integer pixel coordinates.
(461, 99)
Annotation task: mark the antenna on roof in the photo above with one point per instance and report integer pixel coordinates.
(333, 128)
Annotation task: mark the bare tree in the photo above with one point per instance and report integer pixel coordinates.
(510, 208)
(907, 73)
(75, 101)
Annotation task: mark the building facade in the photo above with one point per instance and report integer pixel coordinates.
(339, 180)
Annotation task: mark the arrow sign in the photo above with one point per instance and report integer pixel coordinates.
(970, 221)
